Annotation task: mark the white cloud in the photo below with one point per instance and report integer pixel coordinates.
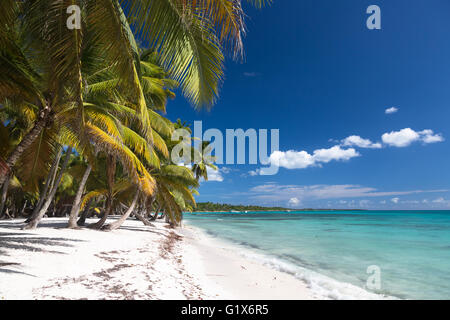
(428, 136)
(441, 202)
(226, 170)
(214, 175)
(291, 159)
(405, 137)
(293, 202)
(402, 138)
(334, 153)
(360, 142)
(301, 159)
(364, 203)
(254, 172)
(274, 192)
(395, 200)
(391, 110)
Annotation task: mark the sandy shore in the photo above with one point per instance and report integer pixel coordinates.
(240, 277)
(134, 262)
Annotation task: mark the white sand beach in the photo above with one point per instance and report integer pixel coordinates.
(133, 262)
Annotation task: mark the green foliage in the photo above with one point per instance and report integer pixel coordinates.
(220, 207)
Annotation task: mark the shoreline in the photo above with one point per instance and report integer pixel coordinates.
(139, 262)
(239, 277)
(293, 282)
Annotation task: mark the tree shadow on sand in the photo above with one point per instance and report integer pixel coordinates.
(5, 269)
(17, 225)
(33, 243)
(142, 230)
(27, 242)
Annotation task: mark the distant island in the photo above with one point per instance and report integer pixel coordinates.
(223, 207)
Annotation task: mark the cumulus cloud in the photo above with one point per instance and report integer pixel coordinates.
(293, 202)
(301, 159)
(345, 150)
(334, 153)
(360, 142)
(391, 110)
(428, 136)
(214, 175)
(405, 137)
(254, 172)
(402, 138)
(395, 200)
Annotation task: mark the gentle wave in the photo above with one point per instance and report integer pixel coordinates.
(322, 286)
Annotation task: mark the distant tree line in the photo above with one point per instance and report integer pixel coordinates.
(210, 206)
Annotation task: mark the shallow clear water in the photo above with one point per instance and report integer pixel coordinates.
(411, 248)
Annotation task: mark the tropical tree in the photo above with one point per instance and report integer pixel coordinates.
(95, 93)
(202, 160)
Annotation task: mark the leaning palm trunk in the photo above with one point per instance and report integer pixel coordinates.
(155, 216)
(4, 194)
(35, 221)
(110, 172)
(50, 177)
(115, 225)
(143, 219)
(102, 220)
(81, 222)
(26, 142)
(77, 202)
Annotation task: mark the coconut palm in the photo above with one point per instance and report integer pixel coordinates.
(188, 34)
(93, 90)
(202, 160)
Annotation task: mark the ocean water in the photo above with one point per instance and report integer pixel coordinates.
(332, 250)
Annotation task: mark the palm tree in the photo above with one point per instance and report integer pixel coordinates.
(188, 34)
(93, 90)
(202, 160)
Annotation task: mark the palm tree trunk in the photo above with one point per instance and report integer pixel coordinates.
(102, 220)
(50, 177)
(77, 202)
(23, 208)
(155, 216)
(35, 221)
(81, 222)
(115, 225)
(144, 220)
(25, 143)
(110, 174)
(4, 194)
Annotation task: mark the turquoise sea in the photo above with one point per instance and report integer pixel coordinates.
(332, 250)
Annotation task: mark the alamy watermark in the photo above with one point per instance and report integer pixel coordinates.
(374, 280)
(74, 19)
(239, 146)
(374, 20)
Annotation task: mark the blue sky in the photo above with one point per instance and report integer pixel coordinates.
(314, 71)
